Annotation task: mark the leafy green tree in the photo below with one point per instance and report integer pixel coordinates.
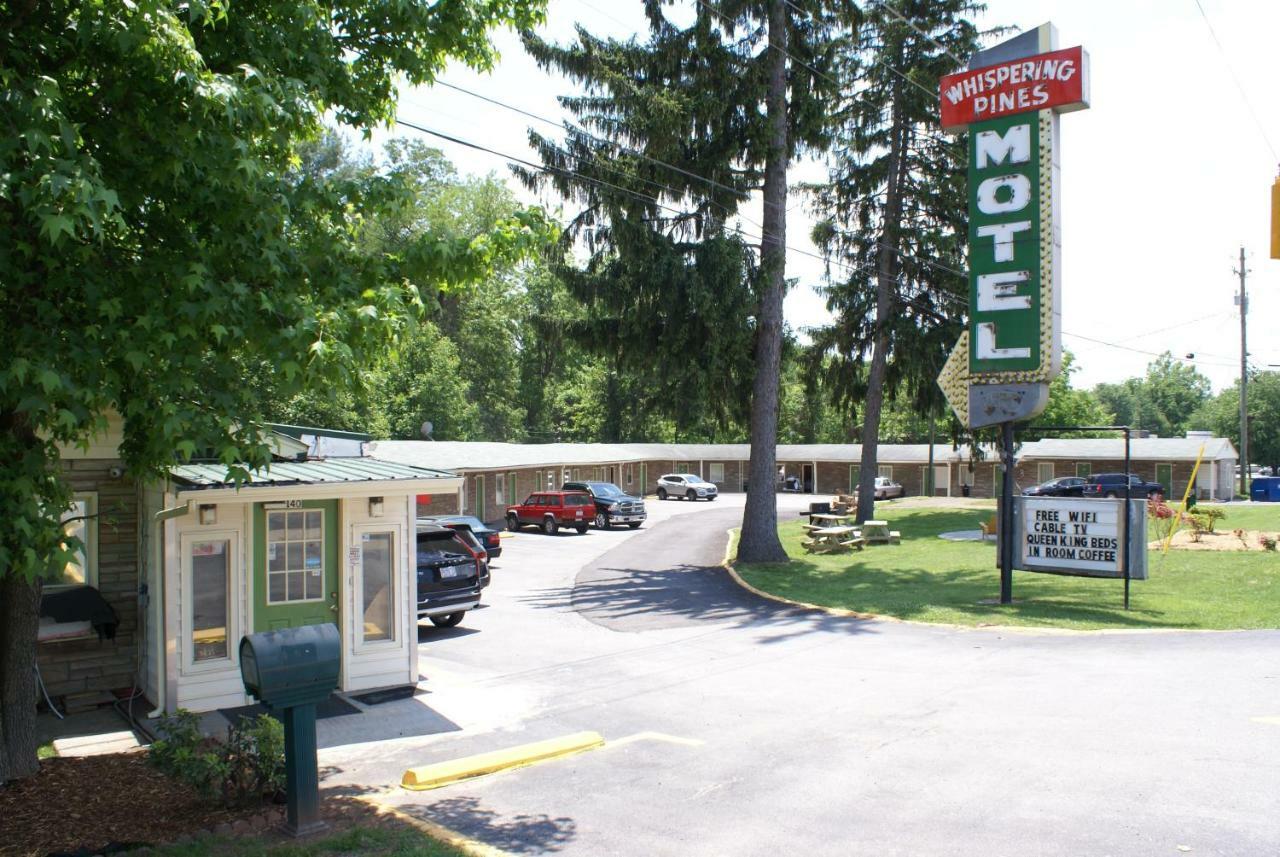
(1071, 407)
(1221, 415)
(1160, 402)
(893, 216)
(716, 110)
(154, 240)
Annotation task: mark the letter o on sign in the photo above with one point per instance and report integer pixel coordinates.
(1019, 194)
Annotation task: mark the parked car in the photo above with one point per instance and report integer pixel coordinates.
(551, 510)
(613, 505)
(1112, 485)
(451, 575)
(886, 488)
(1063, 486)
(489, 538)
(687, 485)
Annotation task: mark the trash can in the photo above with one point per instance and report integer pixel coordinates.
(1263, 489)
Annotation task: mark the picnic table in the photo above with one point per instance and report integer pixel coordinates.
(878, 532)
(831, 519)
(833, 539)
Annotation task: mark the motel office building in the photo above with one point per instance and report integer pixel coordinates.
(495, 475)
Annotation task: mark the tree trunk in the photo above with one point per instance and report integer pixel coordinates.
(19, 618)
(886, 275)
(760, 542)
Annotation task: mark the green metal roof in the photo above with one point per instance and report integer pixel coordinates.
(322, 471)
(299, 431)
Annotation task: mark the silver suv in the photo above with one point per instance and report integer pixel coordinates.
(690, 486)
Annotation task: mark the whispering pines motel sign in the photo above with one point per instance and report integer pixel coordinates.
(1009, 100)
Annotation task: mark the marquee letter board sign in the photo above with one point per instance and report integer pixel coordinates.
(1086, 538)
(1009, 101)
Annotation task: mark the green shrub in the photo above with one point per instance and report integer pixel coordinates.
(246, 768)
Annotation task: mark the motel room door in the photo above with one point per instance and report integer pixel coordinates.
(295, 561)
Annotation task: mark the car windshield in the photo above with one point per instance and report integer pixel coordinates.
(577, 500)
(605, 489)
(689, 477)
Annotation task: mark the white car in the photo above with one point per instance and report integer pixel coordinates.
(886, 488)
(690, 486)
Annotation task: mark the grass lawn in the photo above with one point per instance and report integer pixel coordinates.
(377, 841)
(927, 579)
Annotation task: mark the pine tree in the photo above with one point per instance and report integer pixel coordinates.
(675, 135)
(893, 216)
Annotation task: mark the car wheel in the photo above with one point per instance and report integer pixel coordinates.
(581, 528)
(449, 620)
(690, 495)
(602, 521)
(662, 493)
(634, 526)
(550, 526)
(513, 523)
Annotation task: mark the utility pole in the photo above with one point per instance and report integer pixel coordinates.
(1243, 300)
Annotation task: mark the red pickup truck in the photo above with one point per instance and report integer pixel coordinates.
(551, 510)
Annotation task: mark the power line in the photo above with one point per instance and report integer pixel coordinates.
(1240, 88)
(618, 146)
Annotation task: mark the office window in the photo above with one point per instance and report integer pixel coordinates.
(716, 471)
(377, 592)
(80, 521)
(210, 595)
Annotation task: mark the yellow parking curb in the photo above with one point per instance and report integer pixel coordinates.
(443, 773)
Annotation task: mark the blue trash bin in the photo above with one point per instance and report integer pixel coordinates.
(1265, 489)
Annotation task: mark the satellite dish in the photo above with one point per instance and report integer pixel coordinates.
(426, 429)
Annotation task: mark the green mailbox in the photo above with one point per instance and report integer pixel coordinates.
(291, 666)
(290, 671)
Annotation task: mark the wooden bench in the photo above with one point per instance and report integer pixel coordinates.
(989, 527)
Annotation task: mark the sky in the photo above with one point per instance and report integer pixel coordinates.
(1164, 177)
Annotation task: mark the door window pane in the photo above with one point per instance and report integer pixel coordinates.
(210, 575)
(295, 556)
(377, 596)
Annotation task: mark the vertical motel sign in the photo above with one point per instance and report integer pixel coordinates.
(1009, 100)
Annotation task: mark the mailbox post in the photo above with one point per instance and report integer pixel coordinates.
(290, 671)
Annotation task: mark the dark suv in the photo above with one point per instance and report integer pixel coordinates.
(1112, 485)
(450, 575)
(613, 505)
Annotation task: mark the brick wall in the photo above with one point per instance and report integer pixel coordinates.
(1027, 472)
(80, 666)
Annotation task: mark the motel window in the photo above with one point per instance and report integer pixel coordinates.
(499, 490)
(1044, 471)
(885, 470)
(210, 597)
(377, 592)
(1083, 469)
(295, 556)
(80, 521)
(716, 471)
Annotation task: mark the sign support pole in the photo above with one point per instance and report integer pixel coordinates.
(1128, 518)
(1007, 545)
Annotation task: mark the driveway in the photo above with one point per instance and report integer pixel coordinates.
(740, 727)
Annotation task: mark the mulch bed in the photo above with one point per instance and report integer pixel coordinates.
(92, 801)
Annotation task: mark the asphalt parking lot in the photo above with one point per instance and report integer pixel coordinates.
(739, 726)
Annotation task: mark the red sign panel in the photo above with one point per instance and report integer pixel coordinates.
(1057, 80)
